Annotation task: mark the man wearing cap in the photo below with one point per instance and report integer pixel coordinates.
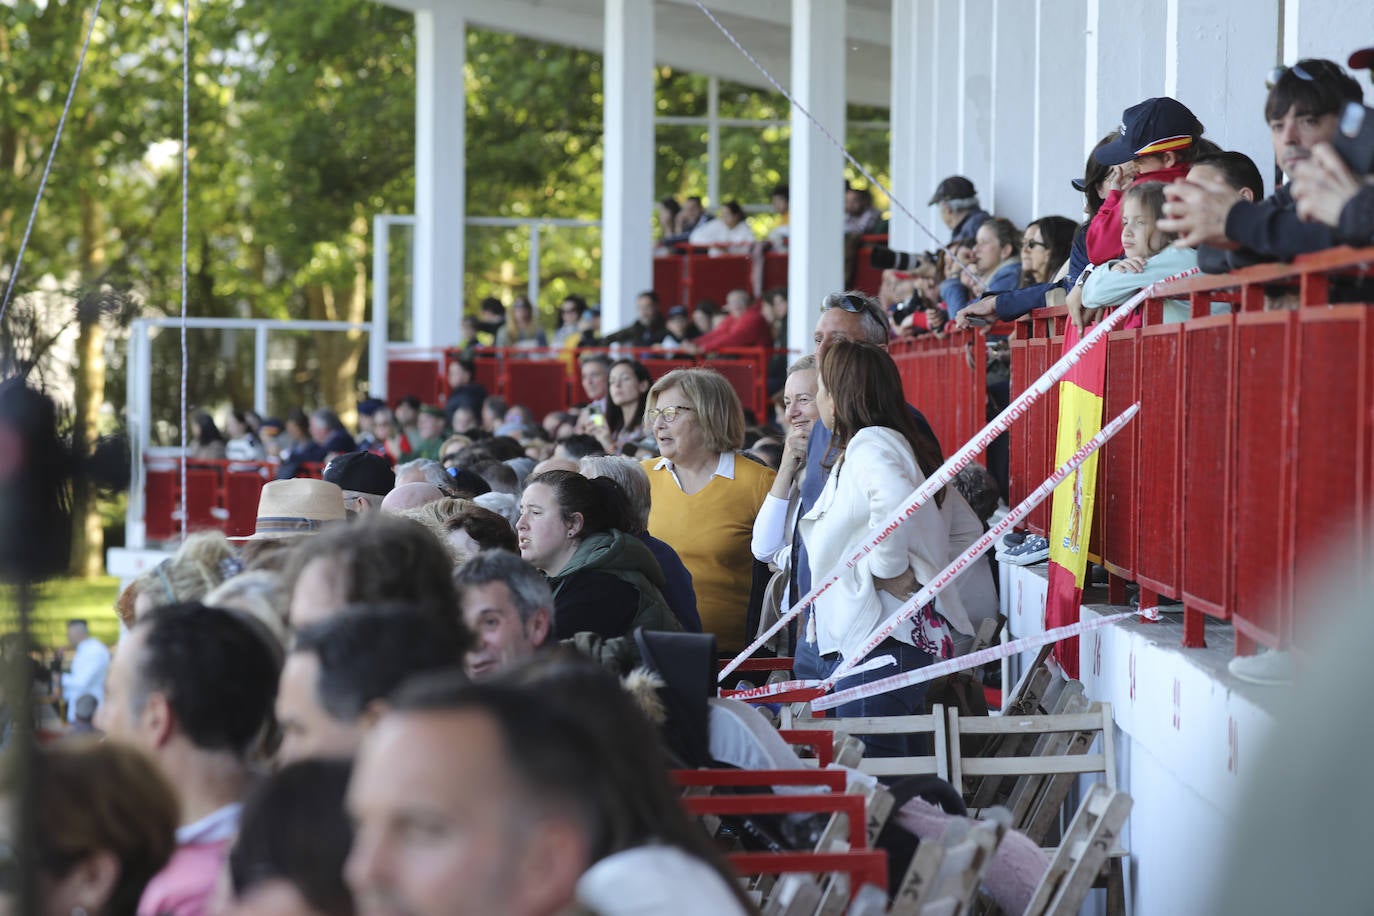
(367, 439)
(365, 479)
(1303, 110)
(1157, 142)
(959, 209)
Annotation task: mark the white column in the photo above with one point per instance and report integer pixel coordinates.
(816, 265)
(1011, 180)
(1329, 29)
(1229, 100)
(627, 170)
(440, 194)
(1125, 46)
(1057, 154)
(975, 88)
(910, 151)
(944, 97)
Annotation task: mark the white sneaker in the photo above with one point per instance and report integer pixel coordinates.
(1268, 669)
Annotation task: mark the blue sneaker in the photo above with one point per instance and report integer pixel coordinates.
(1031, 550)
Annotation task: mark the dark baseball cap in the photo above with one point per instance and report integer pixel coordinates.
(361, 472)
(368, 406)
(1156, 125)
(677, 311)
(467, 481)
(955, 187)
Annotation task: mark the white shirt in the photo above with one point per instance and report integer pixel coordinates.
(725, 467)
(655, 881)
(87, 676)
(220, 824)
(724, 238)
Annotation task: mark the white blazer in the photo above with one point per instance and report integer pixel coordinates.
(875, 478)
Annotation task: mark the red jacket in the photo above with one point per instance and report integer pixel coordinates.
(748, 330)
(1104, 232)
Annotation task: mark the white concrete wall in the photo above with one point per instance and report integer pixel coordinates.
(1014, 93)
(1187, 735)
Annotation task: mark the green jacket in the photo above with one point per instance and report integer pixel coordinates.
(626, 558)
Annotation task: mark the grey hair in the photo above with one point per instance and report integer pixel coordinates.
(876, 330)
(962, 204)
(434, 472)
(806, 362)
(529, 590)
(631, 477)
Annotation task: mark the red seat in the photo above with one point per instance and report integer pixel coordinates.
(418, 377)
(242, 490)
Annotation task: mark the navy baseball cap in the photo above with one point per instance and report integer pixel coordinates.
(1156, 125)
(361, 472)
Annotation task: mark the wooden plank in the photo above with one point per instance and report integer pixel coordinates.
(1041, 766)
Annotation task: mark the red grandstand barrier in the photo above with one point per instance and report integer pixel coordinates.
(863, 867)
(549, 379)
(852, 806)
(1255, 450)
(419, 377)
(946, 378)
(221, 495)
(834, 780)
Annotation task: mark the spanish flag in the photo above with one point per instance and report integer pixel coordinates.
(1080, 418)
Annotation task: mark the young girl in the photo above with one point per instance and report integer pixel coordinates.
(1149, 256)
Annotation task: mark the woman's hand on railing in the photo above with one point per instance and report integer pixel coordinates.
(985, 309)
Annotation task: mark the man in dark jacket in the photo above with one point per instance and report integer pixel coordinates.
(1303, 109)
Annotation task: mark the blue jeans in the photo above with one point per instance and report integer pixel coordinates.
(906, 701)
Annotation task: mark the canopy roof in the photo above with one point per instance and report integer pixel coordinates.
(685, 39)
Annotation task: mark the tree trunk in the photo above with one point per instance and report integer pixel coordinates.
(87, 533)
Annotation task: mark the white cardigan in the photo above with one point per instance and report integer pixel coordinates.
(875, 478)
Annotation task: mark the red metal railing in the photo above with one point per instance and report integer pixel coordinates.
(548, 379)
(220, 494)
(947, 380)
(1252, 451)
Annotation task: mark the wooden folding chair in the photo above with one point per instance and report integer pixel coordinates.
(1091, 839)
(943, 877)
(936, 763)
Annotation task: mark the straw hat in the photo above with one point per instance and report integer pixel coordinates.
(297, 506)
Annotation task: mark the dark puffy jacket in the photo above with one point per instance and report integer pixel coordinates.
(611, 585)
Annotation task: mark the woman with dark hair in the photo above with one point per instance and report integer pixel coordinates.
(625, 402)
(207, 442)
(996, 266)
(1045, 248)
(293, 839)
(103, 822)
(243, 444)
(604, 580)
(877, 458)
(650, 857)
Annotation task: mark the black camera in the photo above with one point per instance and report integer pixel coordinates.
(915, 262)
(1354, 138)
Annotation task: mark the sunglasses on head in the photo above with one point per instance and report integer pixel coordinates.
(1324, 70)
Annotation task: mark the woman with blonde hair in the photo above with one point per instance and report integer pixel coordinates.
(704, 499)
(201, 563)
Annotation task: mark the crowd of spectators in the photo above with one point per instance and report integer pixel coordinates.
(287, 711)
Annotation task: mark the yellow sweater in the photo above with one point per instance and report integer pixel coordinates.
(710, 530)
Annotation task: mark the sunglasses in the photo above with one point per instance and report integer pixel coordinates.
(854, 305)
(1325, 70)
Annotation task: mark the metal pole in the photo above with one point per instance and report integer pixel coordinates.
(532, 281)
(260, 370)
(713, 141)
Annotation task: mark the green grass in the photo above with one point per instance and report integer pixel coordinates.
(60, 600)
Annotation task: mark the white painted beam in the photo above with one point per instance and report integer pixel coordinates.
(975, 84)
(1059, 98)
(909, 153)
(816, 265)
(627, 170)
(440, 192)
(1011, 184)
(859, 24)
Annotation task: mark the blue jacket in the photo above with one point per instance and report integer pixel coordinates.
(956, 295)
(1018, 302)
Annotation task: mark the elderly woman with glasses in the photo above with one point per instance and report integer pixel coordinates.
(704, 496)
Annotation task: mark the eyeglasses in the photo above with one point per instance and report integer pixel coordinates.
(669, 414)
(1034, 243)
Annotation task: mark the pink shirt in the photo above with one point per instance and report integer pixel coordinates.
(186, 882)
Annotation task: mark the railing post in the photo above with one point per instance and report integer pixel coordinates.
(533, 267)
(260, 370)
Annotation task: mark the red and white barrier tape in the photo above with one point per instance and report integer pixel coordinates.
(972, 660)
(982, 545)
(962, 562)
(960, 459)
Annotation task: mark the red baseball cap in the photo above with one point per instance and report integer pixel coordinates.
(1362, 59)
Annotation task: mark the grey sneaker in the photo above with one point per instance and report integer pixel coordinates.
(1032, 550)
(1269, 669)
